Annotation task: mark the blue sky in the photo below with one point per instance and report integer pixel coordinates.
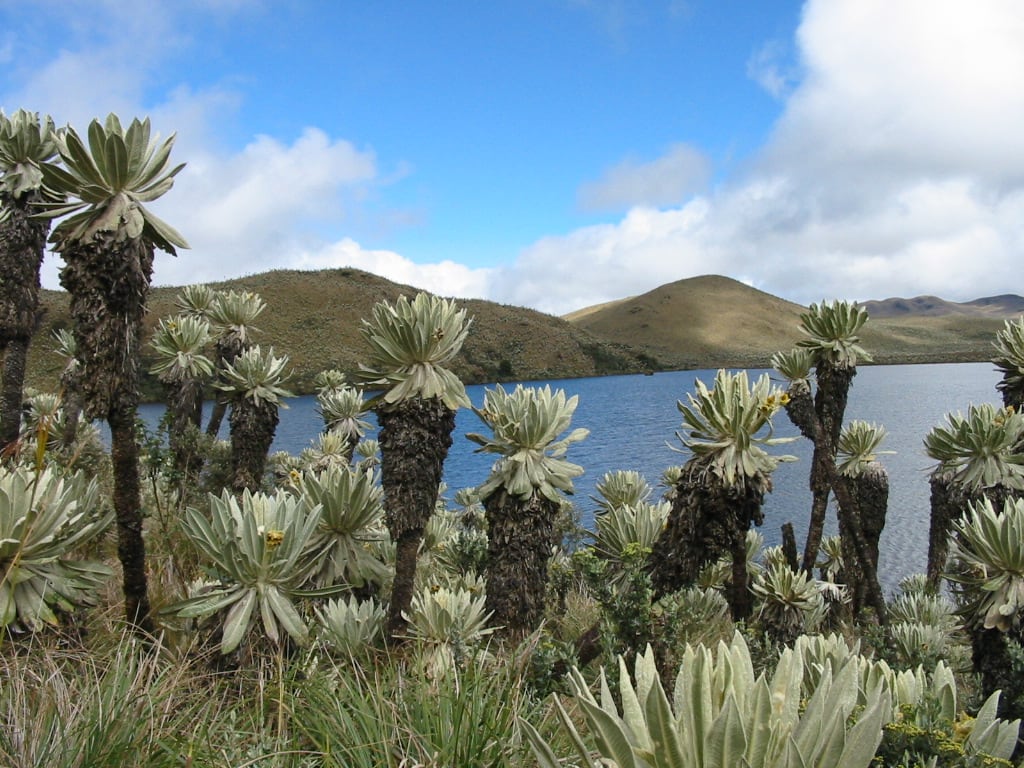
(562, 153)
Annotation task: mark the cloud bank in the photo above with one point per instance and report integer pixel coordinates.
(896, 167)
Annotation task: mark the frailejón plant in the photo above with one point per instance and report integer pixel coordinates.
(260, 548)
(43, 517)
(720, 714)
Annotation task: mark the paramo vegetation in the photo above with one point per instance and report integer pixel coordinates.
(181, 600)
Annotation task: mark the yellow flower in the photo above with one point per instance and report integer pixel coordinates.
(963, 726)
(274, 539)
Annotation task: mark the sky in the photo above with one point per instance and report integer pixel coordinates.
(557, 154)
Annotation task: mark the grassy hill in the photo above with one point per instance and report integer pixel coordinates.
(712, 320)
(314, 317)
(690, 322)
(701, 322)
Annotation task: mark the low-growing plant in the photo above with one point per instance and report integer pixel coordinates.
(44, 517)
(721, 714)
(451, 623)
(351, 523)
(352, 626)
(621, 488)
(259, 548)
(790, 603)
(392, 716)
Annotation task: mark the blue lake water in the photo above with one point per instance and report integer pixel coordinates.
(633, 421)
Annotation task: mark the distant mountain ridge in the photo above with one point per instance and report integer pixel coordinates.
(701, 322)
(1005, 306)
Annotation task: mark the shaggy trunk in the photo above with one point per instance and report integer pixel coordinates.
(1013, 396)
(71, 401)
(709, 520)
(12, 395)
(185, 403)
(949, 503)
(253, 425)
(990, 656)
(220, 407)
(870, 494)
(131, 548)
(860, 562)
(740, 599)
(414, 436)
(22, 244)
(520, 535)
(829, 408)
(108, 282)
(789, 546)
(226, 351)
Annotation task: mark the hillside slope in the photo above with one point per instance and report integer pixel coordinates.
(700, 322)
(315, 317)
(689, 322)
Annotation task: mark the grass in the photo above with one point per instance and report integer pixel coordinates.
(116, 701)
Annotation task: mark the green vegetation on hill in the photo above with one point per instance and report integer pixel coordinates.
(314, 318)
(701, 322)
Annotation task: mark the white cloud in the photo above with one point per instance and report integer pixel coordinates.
(256, 210)
(667, 180)
(242, 211)
(446, 278)
(897, 168)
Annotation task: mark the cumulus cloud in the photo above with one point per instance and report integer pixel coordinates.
(446, 278)
(896, 168)
(243, 211)
(667, 180)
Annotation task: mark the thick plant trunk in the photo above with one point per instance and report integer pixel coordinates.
(227, 351)
(990, 656)
(741, 603)
(869, 492)
(829, 408)
(860, 562)
(220, 407)
(22, 244)
(185, 403)
(414, 436)
(71, 402)
(252, 433)
(108, 282)
(11, 395)
(708, 521)
(520, 535)
(131, 548)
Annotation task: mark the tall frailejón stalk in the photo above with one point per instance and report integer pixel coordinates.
(107, 242)
(523, 495)
(26, 141)
(410, 344)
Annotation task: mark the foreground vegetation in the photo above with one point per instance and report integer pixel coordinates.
(341, 607)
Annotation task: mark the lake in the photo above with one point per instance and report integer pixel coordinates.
(633, 421)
